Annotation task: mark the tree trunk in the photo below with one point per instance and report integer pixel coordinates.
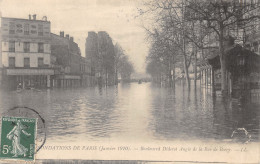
(224, 84)
(170, 73)
(186, 70)
(173, 76)
(184, 48)
(106, 78)
(195, 69)
(116, 78)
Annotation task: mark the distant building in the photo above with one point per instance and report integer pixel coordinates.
(71, 69)
(25, 52)
(251, 31)
(100, 51)
(91, 50)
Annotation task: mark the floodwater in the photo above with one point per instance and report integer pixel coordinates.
(137, 112)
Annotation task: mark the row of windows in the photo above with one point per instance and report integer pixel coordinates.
(26, 29)
(26, 47)
(26, 61)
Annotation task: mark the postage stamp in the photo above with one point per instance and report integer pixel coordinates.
(18, 138)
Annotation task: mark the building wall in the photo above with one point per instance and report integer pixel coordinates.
(19, 54)
(0, 49)
(36, 28)
(20, 31)
(67, 53)
(252, 34)
(34, 33)
(19, 59)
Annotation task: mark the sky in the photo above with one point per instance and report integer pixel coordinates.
(77, 17)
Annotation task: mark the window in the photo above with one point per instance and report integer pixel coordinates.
(40, 30)
(11, 28)
(19, 28)
(11, 61)
(40, 48)
(26, 47)
(11, 46)
(26, 29)
(40, 62)
(33, 29)
(26, 62)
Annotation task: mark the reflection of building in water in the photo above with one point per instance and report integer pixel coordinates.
(26, 52)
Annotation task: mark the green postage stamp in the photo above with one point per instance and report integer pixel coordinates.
(18, 138)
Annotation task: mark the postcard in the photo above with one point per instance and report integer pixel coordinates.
(128, 81)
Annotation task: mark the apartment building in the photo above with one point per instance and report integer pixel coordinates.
(26, 52)
(73, 69)
(100, 51)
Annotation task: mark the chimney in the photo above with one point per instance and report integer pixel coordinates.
(67, 36)
(62, 33)
(30, 17)
(34, 16)
(71, 39)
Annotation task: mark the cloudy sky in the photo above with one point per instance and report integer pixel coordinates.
(77, 17)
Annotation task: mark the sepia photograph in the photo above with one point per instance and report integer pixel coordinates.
(130, 81)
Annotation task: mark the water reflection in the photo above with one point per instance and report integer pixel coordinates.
(137, 112)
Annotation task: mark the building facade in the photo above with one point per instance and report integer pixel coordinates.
(26, 52)
(71, 69)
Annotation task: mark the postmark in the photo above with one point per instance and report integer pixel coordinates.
(18, 138)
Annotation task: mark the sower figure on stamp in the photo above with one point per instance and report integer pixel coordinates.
(15, 136)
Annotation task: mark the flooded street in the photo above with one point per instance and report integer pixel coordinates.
(136, 112)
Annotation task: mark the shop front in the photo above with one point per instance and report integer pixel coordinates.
(27, 78)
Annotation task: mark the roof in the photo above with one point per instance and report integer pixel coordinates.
(22, 19)
(238, 59)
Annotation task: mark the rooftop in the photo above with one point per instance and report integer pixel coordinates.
(29, 20)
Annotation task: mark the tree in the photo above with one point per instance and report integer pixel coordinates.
(126, 68)
(162, 54)
(106, 55)
(188, 22)
(173, 30)
(122, 64)
(119, 52)
(219, 17)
